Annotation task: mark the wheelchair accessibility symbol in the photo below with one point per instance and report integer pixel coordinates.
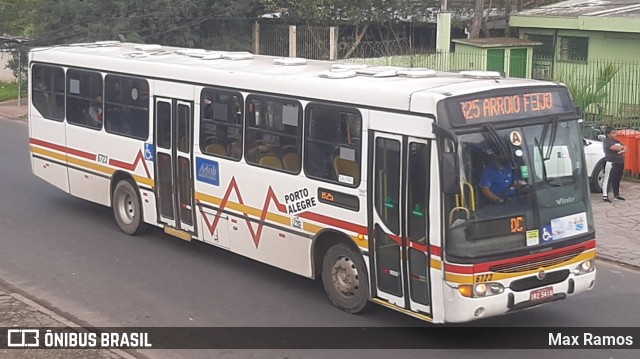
(546, 234)
(149, 151)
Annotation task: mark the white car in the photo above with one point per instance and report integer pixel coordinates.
(594, 154)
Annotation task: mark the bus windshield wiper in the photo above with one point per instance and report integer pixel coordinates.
(495, 138)
(544, 167)
(552, 138)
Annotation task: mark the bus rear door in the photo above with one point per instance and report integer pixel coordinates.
(174, 174)
(399, 240)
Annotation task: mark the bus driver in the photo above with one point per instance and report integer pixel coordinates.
(498, 182)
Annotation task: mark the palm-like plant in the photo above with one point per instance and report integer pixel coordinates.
(589, 95)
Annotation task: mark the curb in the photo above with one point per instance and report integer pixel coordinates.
(617, 261)
(64, 321)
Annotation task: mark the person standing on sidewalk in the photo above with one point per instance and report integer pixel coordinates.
(614, 151)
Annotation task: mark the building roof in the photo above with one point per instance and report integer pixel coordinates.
(586, 15)
(497, 42)
(576, 8)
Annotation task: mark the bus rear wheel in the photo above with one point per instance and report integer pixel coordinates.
(127, 208)
(345, 279)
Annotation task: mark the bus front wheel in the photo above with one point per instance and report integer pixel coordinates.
(126, 207)
(345, 280)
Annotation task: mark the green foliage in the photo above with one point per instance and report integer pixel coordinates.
(334, 12)
(590, 93)
(197, 23)
(9, 91)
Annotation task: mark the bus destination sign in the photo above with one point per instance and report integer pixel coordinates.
(520, 103)
(507, 105)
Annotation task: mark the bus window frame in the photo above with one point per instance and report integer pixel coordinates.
(299, 136)
(208, 92)
(50, 91)
(306, 140)
(107, 102)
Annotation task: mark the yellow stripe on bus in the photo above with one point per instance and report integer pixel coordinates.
(87, 164)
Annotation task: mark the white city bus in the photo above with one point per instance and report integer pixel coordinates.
(366, 177)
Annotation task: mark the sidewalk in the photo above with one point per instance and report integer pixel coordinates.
(14, 110)
(617, 226)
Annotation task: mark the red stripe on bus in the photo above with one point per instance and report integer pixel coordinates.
(484, 267)
(349, 226)
(64, 149)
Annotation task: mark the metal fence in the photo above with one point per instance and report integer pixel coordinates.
(273, 40)
(313, 42)
(608, 100)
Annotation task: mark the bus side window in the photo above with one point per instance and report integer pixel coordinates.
(47, 93)
(84, 98)
(273, 133)
(127, 106)
(221, 123)
(333, 144)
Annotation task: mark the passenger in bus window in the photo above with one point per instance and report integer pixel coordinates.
(208, 109)
(498, 182)
(95, 111)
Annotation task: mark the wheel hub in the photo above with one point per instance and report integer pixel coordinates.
(345, 276)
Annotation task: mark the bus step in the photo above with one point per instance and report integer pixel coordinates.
(178, 233)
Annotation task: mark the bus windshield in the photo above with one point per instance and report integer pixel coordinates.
(523, 187)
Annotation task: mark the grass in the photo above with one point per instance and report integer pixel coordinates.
(9, 91)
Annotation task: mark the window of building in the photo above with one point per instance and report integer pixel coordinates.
(333, 144)
(545, 50)
(127, 106)
(574, 48)
(84, 98)
(221, 123)
(47, 92)
(273, 133)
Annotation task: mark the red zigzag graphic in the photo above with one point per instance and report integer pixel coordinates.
(132, 166)
(271, 197)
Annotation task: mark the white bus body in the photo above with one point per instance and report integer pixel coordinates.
(276, 210)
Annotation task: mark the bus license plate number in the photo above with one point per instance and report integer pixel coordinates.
(541, 294)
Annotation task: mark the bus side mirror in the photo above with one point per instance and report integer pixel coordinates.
(450, 173)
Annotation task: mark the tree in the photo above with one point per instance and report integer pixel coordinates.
(170, 22)
(362, 14)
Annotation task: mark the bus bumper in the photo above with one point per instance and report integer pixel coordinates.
(462, 309)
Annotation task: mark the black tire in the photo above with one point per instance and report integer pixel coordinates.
(597, 177)
(126, 208)
(345, 279)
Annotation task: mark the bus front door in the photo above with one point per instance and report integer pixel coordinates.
(400, 223)
(174, 175)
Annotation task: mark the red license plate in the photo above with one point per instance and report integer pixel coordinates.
(540, 294)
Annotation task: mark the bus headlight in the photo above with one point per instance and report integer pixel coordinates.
(480, 290)
(584, 267)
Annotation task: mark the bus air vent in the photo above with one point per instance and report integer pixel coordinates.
(337, 74)
(240, 55)
(380, 71)
(290, 61)
(536, 263)
(481, 74)
(148, 47)
(191, 52)
(417, 73)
